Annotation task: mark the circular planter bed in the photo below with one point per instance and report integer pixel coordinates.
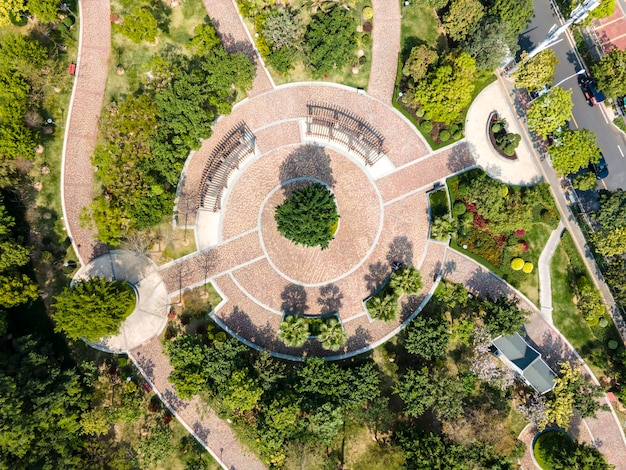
(549, 444)
(493, 118)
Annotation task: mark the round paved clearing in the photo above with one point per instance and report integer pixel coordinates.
(360, 219)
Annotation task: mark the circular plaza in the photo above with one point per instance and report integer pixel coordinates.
(379, 170)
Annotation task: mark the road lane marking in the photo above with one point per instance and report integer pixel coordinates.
(574, 119)
(604, 184)
(620, 151)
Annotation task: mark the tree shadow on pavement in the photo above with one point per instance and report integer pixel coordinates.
(294, 300)
(400, 252)
(330, 299)
(308, 161)
(360, 339)
(378, 274)
(460, 159)
(483, 283)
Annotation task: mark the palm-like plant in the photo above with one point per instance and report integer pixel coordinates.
(384, 308)
(294, 331)
(332, 335)
(442, 228)
(406, 281)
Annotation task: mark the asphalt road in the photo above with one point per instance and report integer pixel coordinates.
(609, 138)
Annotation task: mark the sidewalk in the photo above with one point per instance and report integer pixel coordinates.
(519, 172)
(385, 50)
(545, 281)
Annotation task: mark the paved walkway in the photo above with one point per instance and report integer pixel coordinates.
(521, 171)
(385, 49)
(150, 315)
(545, 280)
(81, 127)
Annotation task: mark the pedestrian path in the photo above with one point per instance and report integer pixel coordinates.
(81, 127)
(545, 281)
(385, 50)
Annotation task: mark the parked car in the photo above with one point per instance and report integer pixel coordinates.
(601, 169)
(588, 87)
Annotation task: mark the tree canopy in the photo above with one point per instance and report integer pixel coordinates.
(309, 216)
(9, 8)
(463, 18)
(93, 308)
(536, 72)
(427, 337)
(574, 150)
(330, 41)
(550, 111)
(447, 90)
(610, 73)
(293, 331)
(610, 240)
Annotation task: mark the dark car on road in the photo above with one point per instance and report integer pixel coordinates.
(589, 89)
(601, 169)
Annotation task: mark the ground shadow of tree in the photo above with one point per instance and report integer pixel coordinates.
(294, 300)
(552, 349)
(174, 400)
(238, 321)
(309, 161)
(484, 283)
(400, 252)
(147, 365)
(460, 158)
(378, 273)
(330, 299)
(443, 269)
(409, 305)
(360, 339)
(201, 431)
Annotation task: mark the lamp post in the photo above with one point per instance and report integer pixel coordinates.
(50, 121)
(580, 72)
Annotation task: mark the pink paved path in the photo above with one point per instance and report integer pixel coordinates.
(82, 124)
(385, 49)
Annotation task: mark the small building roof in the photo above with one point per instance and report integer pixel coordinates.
(527, 361)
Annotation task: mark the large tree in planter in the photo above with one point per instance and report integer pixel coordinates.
(294, 331)
(309, 216)
(93, 309)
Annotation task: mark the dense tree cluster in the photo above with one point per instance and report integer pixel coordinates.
(148, 137)
(549, 112)
(610, 239)
(384, 305)
(575, 149)
(533, 74)
(308, 216)
(610, 73)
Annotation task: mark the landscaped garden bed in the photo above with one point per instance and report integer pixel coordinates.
(319, 40)
(502, 141)
(555, 450)
(385, 303)
(501, 226)
(296, 329)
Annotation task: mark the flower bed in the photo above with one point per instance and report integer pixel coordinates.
(494, 122)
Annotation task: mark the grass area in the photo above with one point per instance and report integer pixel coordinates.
(345, 76)
(176, 30)
(439, 203)
(567, 265)
(420, 25)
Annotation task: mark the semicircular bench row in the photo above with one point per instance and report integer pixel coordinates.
(322, 120)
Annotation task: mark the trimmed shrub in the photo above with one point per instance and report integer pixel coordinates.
(368, 27)
(68, 21)
(454, 128)
(459, 208)
(368, 13)
(463, 189)
(517, 264)
(504, 191)
(612, 344)
(509, 150)
(528, 268)
(458, 135)
(428, 116)
(419, 112)
(426, 126)
(603, 322)
(362, 60)
(444, 135)
(497, 127)
(546, 215)
(366, 39)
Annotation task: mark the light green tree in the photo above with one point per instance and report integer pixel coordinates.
(574, 150)
(243, 392)
(383, 308)
(17, 289)
(93, 308)
(332, 335)
(586, 181)
(406, 281)
(536, 72)
(44, 10)
(610, 242)
(550, 111)
(462, 18)
(9, 8)
(447, 90)
(139, 26)
(294, 331)
(610, 73)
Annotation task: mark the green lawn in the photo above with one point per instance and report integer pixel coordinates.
(420, 25)
(439, 203)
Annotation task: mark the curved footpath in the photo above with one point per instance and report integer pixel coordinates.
(81, 126)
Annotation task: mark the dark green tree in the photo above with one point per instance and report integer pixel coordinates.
(463, 18)
(427, 337)
(515, 14)
(309, 216)
(330, 41)
(415, 391)
(503, 316)
(616, 278)
(93, 308)
(491, 43)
